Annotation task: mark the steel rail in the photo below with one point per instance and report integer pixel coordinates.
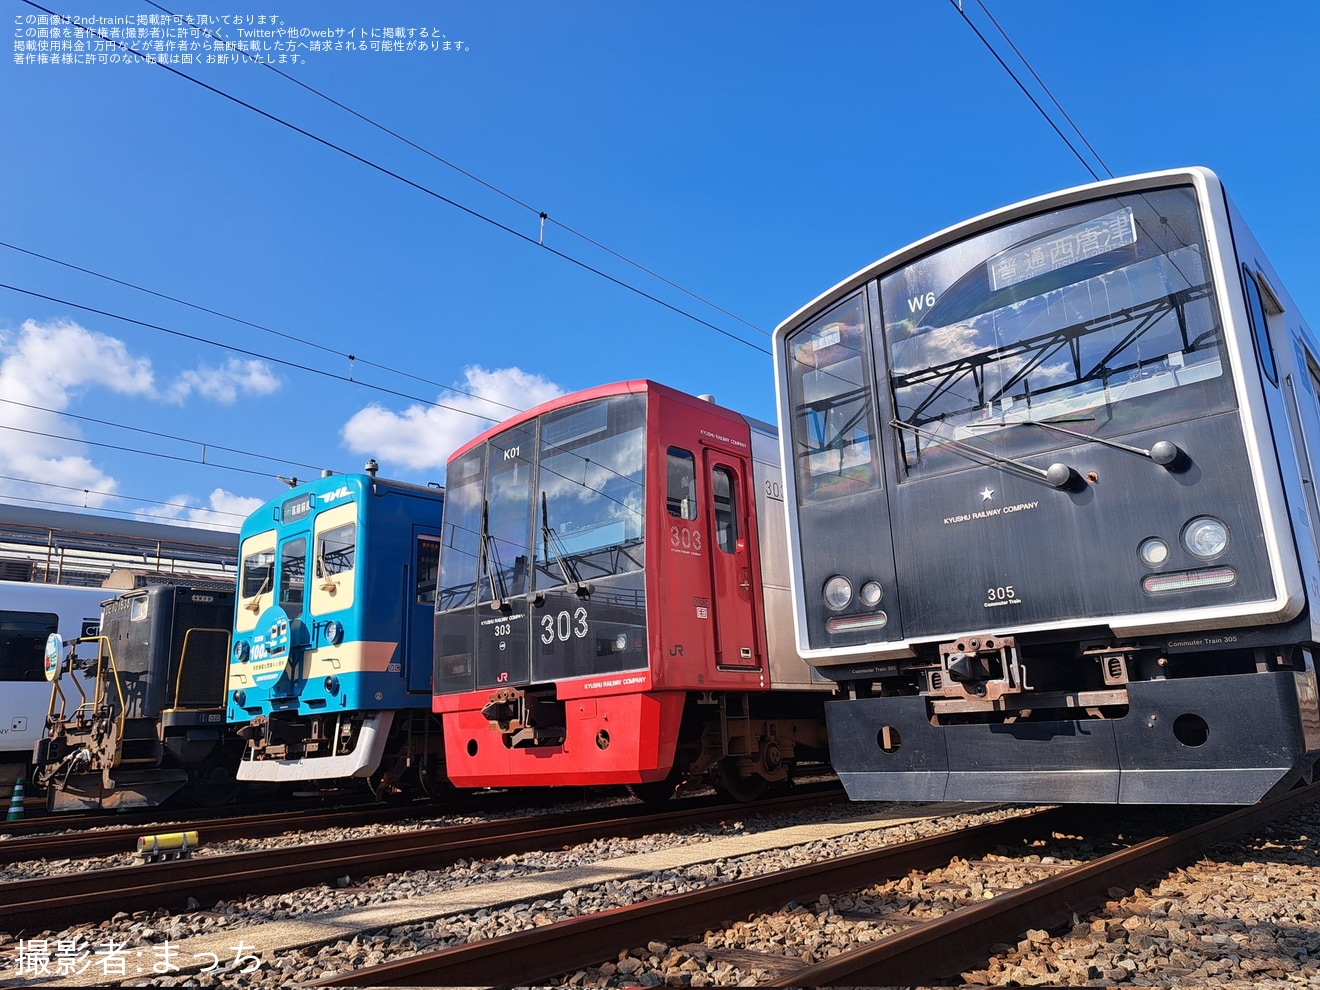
(542, 953)
(92, 895)
(122, 838)
(935, 950)
(962, 939)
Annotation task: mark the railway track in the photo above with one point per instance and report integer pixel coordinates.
(50, 902)
(926, 951)
(108, 835)
(122, 838)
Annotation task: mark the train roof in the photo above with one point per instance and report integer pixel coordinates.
(993, 218)
(632, 386)
(325, 487)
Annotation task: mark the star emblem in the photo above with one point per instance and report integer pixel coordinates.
(987, 494)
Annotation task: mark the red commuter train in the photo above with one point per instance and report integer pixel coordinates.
(614, 604)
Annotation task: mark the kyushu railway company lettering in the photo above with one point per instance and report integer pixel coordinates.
(987, 513)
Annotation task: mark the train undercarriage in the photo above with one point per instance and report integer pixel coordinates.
(998, 718)
(738, 743)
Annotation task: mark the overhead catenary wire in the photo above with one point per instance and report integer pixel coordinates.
(1041, 83)
(135, 450)
(247, 352)
(106, 508)
(205, 445)
(127, 498)
(541, 215)
(957, 5)
(256, 326)
(476, 214)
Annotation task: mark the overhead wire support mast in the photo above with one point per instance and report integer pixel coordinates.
(409, 182)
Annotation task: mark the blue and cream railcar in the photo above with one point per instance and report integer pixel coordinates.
(330, 671)
(1052, 500)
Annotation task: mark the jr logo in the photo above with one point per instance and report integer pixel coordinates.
(676, 650)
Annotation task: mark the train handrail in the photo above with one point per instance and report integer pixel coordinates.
(56, 690)
(104, 651)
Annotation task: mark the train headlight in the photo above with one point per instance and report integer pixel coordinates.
(334, 632)
(838, 592)
(870, 594)
(240, 651)
(1205, 536)
(1153, 552)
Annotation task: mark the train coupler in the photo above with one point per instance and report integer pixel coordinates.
(978, 669)
(525, 720)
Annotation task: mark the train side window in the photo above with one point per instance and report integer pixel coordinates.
(1259, 326)
(681, 494)
(726, 518)
(293, 576)
(428, 568)
(23, 644)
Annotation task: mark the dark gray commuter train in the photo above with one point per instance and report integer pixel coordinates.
(1051, 484)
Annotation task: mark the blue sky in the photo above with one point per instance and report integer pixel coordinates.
(754, 153)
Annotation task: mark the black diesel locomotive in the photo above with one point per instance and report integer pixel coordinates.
(150, 721)
(1053, 518)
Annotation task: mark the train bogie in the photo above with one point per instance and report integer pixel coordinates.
(1052, 506)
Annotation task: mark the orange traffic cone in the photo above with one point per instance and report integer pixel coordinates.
(16, 803)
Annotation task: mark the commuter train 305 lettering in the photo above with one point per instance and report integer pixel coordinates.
(613, 601)
(1053, 519)
(330, 671)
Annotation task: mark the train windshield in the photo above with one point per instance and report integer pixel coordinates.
(1097, 319)
(588, 509)
(541, 565)
(546, 504)
(833, 422)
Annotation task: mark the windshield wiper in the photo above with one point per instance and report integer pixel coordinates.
(1165, 453)
(490, 560)
(1057, 475)
(551, 544)
(253, 604)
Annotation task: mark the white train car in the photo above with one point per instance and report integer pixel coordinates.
(29, 613)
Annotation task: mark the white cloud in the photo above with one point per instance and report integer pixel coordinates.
(224, 510)
(224, 384)
(422, 437)
(45, 364)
